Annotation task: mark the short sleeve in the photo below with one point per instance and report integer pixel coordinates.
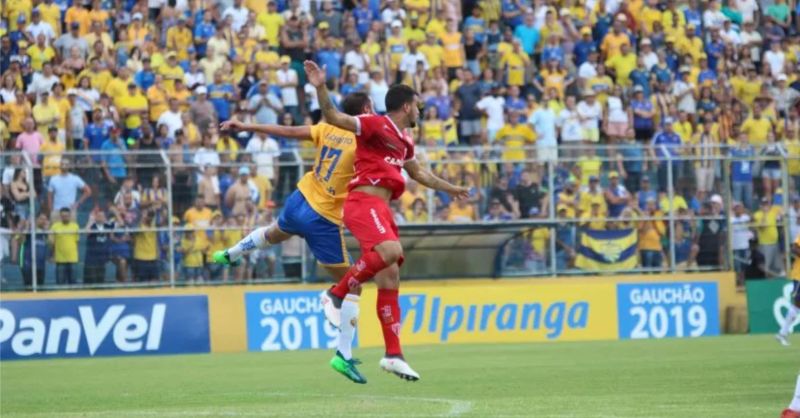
(411, 153)
(316, 133)
(366, 125)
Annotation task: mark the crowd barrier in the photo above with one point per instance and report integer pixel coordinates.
(289, 317)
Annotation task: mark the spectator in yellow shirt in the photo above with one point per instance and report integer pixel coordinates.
(613, 41)
(40, 53)
(622, 64)
(271, 21)
(756, 127)
(651, 231)
(64, 240)
(513, 136)
(454, 55)
(46, 114)
(179, 38)
(433, 52)
(765, 221)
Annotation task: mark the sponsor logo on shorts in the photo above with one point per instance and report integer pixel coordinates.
(377, 221)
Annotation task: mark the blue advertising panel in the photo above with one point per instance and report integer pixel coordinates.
(661, 310)
(44, 328)
(287, 321)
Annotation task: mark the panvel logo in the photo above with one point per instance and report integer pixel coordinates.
(99, 327)
(431, 314)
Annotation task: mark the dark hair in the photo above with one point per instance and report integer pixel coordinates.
(64, 209)
(353, 104)
(399, 95)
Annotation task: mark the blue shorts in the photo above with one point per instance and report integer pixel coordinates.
(325, 238)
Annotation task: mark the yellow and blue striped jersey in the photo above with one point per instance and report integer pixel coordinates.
(325, 186)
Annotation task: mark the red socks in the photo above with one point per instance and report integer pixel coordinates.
(389, 317)
(364, 269)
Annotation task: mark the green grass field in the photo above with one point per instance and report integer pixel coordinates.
(733, 376)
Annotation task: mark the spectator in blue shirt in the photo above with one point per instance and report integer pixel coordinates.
(146, 77)
(640, 77)
(742, 171)
(584, 46)
(97, 132)
(364, 17)
(203, 32)
(220, 95)
(330, 58)
(113, 163)
(476, 23)
(527, 34)
(665, 150)
(512, 12)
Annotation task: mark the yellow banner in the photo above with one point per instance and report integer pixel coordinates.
(492, 312)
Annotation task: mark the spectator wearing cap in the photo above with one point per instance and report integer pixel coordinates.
(71, 39)
(288, 80)
(179, 38)
(329, 56)
(683, 90)
(765, 221)
(665, 150)
(616, 195)
(241, 193)
(584, 46)
(138, 32)
(613, 41)
(202, 110)
(171, 72)
(52, 151)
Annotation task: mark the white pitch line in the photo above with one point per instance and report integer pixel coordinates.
(457, 408)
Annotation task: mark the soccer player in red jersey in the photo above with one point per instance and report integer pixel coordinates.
(382, 151)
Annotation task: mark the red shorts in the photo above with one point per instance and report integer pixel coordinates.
(370, 219)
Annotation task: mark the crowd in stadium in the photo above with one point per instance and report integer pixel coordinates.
(616, 105)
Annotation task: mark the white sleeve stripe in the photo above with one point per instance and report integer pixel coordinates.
(358, 126)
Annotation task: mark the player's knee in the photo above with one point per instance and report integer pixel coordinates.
(389, 278)
(391, 252)
(355, 290)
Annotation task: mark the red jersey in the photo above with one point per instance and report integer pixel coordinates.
(381, 151)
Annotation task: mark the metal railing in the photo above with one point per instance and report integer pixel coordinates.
(185, 178)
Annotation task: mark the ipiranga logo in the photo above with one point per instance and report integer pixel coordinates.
(446, 319)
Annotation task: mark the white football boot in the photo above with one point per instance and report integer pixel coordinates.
(782, 339)
(332, 306)
(399, 367)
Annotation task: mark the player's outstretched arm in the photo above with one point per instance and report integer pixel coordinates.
(426, 178)
(316, 76)
(293, 132)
